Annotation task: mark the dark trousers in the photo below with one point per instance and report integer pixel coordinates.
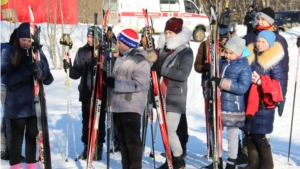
(17, 131)
(128, 126)
(85, 108)
(182, 131)
(249, 28)
(259, 140)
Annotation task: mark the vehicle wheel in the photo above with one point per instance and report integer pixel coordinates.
(280, 30)
(199, 35)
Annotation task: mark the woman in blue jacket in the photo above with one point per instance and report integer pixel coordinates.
(234, 83)
(18, 71)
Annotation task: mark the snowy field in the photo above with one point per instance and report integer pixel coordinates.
(56, 95)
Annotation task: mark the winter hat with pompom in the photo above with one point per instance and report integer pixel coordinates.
(129, 37)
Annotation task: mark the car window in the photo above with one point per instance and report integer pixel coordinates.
(280, 16)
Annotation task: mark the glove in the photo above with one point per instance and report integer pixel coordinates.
(217, 80)
(156, 67)
(256, 78)
(110, 82)
(249, 117)
(67, 65)
(281, 107)
(35, 66)
(206, 67)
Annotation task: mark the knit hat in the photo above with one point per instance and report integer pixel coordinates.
(268, 35)
(91, 31)
(129, 37)
(174, 25)
(24, 30)
(236, 45)
(268, 14)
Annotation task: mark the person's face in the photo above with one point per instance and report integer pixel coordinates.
(25, 43)
(234, 10)
(90, 40)
(122, 47)
(262, 44)
(116, 54)
(250, 8)
(169, 34)
(262, 22)
(229, 55)
(223, 41)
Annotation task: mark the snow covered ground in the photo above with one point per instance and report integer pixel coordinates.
(56, 95)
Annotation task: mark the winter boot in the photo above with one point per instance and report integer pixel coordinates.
(230, 163)
(253, 160)
(4, 155)
(164, 166)
(98, 155)
(16, 166)
(116, 146)
(178, 163)
(211, 166)
(265, 158)
(242, 159)
(82, 156)
(184, 154)
(31, 166)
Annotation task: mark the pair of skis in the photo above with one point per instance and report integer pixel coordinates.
(159, 91)
(40, 101)
(212, 98)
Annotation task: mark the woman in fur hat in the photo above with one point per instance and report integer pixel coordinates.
(264, 94)
(174, 64)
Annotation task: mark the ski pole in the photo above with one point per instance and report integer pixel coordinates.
(292, 120)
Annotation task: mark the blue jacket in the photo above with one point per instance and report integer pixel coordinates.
(266, 63)
(236, 79)
(19, 102)
(251, 38)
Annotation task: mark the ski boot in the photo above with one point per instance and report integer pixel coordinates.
(83, 155)
(231, 163)
(178, 163)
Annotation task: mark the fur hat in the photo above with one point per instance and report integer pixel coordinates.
(268, 14)
(91, 31)
(268, 35)
(24, 30)
(236, 45)
(174, 25)
(129, 37)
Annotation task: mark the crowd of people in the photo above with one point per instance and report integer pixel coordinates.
(251, 67)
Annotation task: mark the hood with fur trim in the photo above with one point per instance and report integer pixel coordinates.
(150, 55)
(177, 40)
(268, 58)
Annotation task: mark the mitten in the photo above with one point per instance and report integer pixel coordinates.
(256, 78)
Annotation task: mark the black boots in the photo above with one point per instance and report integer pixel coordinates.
(220, 165)
(265, 158)
(82, 156)
(178, 163)
(253, 160)
(98, 154)
(230, 163)
(116, 147)
(4, 155)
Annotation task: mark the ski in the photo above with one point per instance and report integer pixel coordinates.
(40, 101)
(95, 99)
(214, 95)
(159, 102)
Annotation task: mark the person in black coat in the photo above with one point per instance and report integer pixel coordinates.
(83, 68)
(249, 18)
(18, 69)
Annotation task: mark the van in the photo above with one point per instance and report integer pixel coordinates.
(128, 14)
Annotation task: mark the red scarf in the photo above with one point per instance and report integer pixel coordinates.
(260, 28)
